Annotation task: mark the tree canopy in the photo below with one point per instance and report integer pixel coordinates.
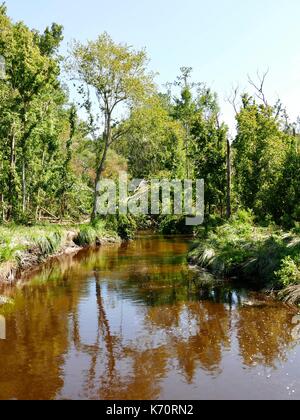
(53, 155)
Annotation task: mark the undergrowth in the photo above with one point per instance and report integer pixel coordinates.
(266, 256)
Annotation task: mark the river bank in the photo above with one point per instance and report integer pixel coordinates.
(23, 248)
(263, 256)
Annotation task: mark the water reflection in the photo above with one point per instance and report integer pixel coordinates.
(133, 322)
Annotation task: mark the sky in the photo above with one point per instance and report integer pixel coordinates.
(224, 41)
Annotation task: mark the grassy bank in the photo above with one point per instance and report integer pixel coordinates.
(22, 247)
(266, 256)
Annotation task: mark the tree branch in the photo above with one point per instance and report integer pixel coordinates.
(232, 99)
(260, 87)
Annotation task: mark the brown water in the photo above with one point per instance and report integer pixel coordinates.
(133, 322)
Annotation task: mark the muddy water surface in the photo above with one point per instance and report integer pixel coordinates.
(134, 322)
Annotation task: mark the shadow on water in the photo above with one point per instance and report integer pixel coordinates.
(132, 321)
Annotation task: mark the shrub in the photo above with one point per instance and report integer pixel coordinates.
(86, 236)
(50, 244)
(124, 225)
(127, 226)
(289, 273)
(8, 252)
(170, 225)
(240, 249)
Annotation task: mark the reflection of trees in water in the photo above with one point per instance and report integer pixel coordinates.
(211, 336)
(178, 331)
(33, 354)
(264, 334)
(148, 368)
(156, 290)
(197, 333)
(107, 382)
(38, 332)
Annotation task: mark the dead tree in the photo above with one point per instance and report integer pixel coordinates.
(232, 98)
(259, 87)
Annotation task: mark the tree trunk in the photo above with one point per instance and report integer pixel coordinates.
(11, 182)
(107, 138)
(23, 186)
(2, 198)
(67, 163)
(187, 162)
(228, 180)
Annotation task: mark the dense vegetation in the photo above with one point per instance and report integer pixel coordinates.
(256, 255)
(54, 153)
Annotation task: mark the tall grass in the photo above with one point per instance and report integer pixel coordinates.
(45, 239)
(14, 240)
(50, 244)
(94, 233)
(264, 255)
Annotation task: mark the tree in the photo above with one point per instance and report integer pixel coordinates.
(32, 95)
(117, 76)
(184, 111)
(228, 155)
(154, 143)
(209, 150)
(284, 206)
(260, 151)
(66, 174)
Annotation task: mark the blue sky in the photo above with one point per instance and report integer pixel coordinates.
(223, 40)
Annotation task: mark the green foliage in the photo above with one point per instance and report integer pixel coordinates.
(87, 236)
(153, 142)
(50, 244)
(243, 217)
(41, 241)
(289, 273)
(209, 152)
(7, 250)
(170, 225)
(44, 240)
(38, 135)
(125, 225)
(95, 232)
(116, 75)
(286, 193)
(265, 163)
(248, 252)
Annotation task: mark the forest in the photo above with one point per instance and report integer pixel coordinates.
(67, 122)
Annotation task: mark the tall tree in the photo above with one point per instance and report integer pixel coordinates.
(117, 76)
(229, 173)
(32, 94)
(154, 143)
(260, 150)
(184, 111)
(209, 150)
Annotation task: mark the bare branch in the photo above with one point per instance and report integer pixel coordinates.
(232, 98)
(260, 87)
